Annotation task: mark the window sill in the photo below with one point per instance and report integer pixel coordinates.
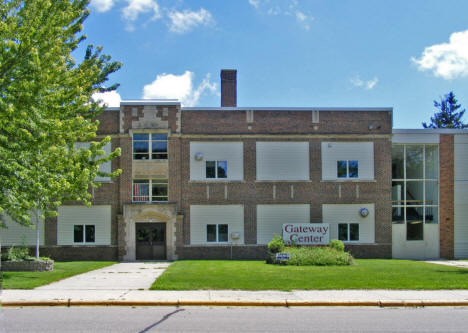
(284, 181)
(150, 160)
(215, 181)
(150, 202)
(348, 181)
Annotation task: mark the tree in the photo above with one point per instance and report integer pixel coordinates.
(46, 107)
(447, 115)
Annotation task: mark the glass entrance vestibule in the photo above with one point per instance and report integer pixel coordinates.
(415, 200)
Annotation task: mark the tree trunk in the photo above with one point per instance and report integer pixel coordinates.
(37, 233)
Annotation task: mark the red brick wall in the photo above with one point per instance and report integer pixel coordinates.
(446, 196)
(109, 122)
(286, 122)
(250, 193)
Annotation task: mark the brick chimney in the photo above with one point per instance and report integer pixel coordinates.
(228, 87)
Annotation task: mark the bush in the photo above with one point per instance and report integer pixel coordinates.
(337, 245)
(18, 254)
(317, 256)
(276, 244)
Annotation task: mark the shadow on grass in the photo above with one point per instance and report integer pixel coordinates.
(458, 271)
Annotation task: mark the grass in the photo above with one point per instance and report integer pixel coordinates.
(30, 280)
(364, 274)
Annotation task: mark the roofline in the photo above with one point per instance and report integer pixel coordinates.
(430, 131)
(150, 102)
(112, 108)
(381, 109)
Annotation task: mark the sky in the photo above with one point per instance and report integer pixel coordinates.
(288, 53)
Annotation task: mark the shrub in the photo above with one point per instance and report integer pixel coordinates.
(316, 255)
(19, 254)
(276, 244)
(337, 245)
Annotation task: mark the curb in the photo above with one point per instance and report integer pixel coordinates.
(283, 303)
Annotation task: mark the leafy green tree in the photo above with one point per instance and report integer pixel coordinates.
(447, 115)
(46, 107)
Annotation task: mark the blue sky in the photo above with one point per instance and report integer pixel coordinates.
(341, 53)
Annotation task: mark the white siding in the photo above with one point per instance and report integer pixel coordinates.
(461, 193)
(283, 161)
(270, 219)
(18, 235)
(68, 216)
(232, 152)
(363, 152)
(335, 214)
(201, 215)
(415, 138)
(104, 167)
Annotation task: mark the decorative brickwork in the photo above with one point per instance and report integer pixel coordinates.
(446, 196)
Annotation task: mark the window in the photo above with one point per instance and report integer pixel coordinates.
(415, 187)
(217, 233)
(348, 232)
(84, 233)
(347, 169)
(154, 190)
(216, 169)
(149, 146)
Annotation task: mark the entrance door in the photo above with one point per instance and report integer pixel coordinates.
(150, 241)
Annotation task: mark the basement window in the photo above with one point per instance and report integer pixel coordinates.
(348, 232)
(217, 233)
(84, 233)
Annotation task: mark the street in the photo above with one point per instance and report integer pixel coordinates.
(223, 319)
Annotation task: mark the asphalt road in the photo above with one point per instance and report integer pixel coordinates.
(223, 319)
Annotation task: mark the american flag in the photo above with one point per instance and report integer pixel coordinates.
(140, 192)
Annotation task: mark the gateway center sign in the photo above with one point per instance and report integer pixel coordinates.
(306, 233)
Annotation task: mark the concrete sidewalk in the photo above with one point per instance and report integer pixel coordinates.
(122, 277)
(128, 283)
(236, 297)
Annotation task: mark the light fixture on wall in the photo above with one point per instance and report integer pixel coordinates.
(364, 212)
(198, 156)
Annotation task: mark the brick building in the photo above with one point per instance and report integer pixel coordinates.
(218, 183)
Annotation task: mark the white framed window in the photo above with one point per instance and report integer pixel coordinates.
(150, 146)
(347, 169)
(149, 190)
(84, 233)
(216, 169)
(348, 232)
(217, 233)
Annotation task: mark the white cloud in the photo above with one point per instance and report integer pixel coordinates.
(254, 3)
(446, 60)
(303, 20)
(187, 20)
(102, 5)
(289, 8)
(110, 98)
(274, 11)
(180, 87)
(356, 81)
(137, 7)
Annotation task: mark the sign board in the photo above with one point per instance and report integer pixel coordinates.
(306, 233)
(282, 256)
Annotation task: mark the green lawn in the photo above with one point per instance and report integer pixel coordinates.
(364, 274)
(30, 280)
